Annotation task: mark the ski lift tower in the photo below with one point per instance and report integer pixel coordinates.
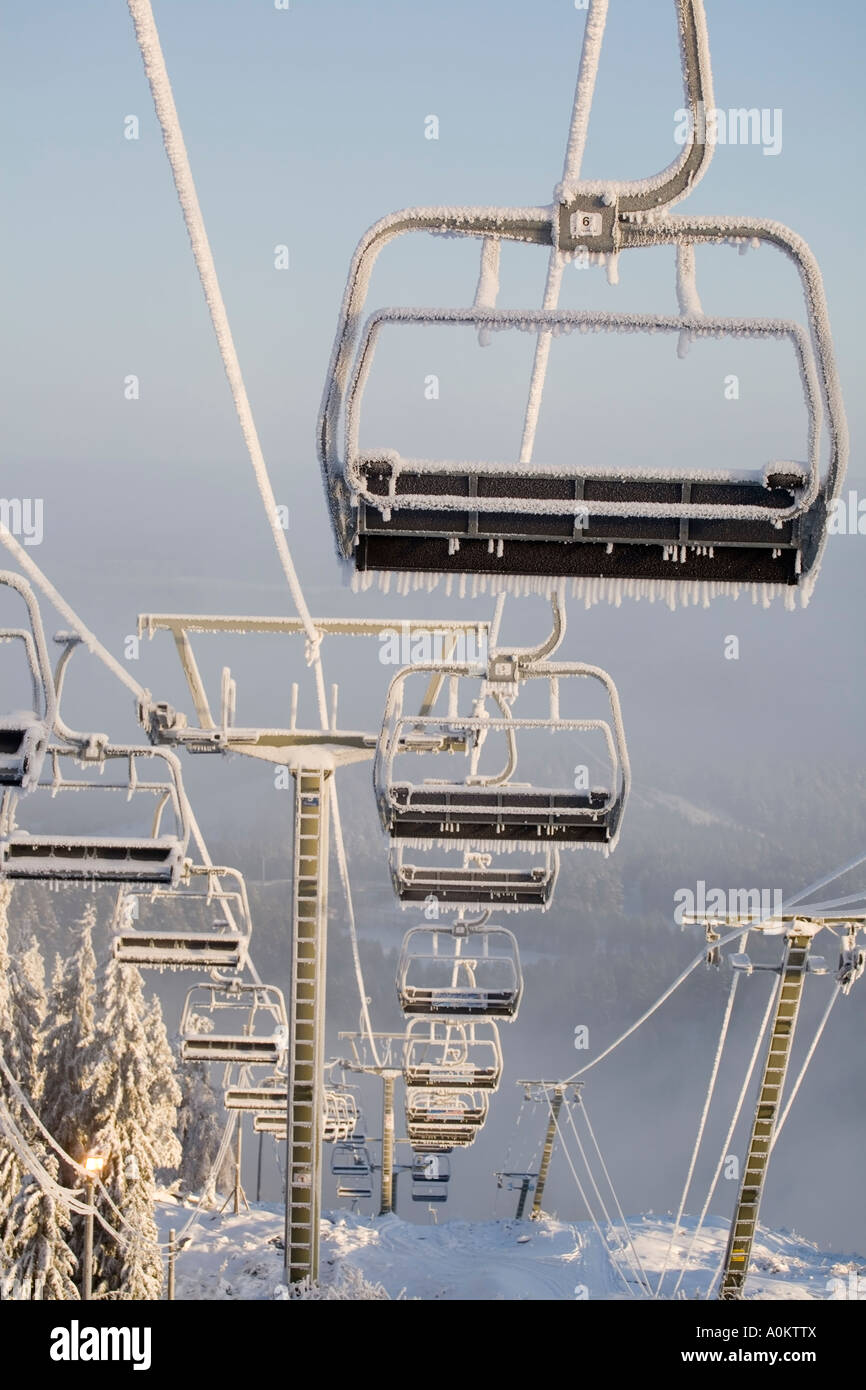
(552, 1094)
(312, 756)
(797, 962)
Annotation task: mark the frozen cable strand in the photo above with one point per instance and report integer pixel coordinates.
(487, 290)
(786, 906)
(163, 100)
(593, 36)
(609, 1180)
(590, 54)
(353, 932)
(702, 1123)
(628, 1249)
(726, 1143)
(175, 148)
(583, 1197)
(91, 642)
(687, 290)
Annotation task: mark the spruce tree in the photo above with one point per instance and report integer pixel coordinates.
(130, 1132)
(165, 1093)
(66, 1109)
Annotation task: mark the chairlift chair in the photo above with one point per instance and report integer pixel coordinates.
(260, 1100)
(439, 1138)
(443, 1111)
(348, 1158)
(431, 1174)
(270, 1123)
(452, 1053)
(339, 1116)
(224, 947)
(640, 529)
(25, 734)
(460, 973)
(491, 810)
(249, 1007)
(480, 880)
(157, 858)
(356, 1186)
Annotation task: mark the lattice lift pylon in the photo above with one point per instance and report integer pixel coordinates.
(797, 963)
(794, 969)
(551, 1094)
(312, 756)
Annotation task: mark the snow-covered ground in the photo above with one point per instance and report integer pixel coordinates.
(240, 1257)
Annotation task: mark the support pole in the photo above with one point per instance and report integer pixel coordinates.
(386, 1205)
(547, 1151)
(259, 1168)
(172, 1255)
(87, 1262)
(521, 1201)
(239, 1149)
(307, 1023)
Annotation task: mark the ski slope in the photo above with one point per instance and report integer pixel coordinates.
(240, 1257)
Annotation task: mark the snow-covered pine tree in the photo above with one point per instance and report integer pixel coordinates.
(36, 1258)
(201, 1121)
(65, 1059)
(165, 1094)
(22, 1014)
(38, 1262)
(123, 1099)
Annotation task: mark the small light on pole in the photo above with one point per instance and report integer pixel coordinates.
(93, 1164)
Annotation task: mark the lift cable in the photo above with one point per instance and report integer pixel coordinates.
(702, 1123)
(160, 86)
(701, 957)
(609, 1180)
(741, 1099)
(629, 1247)
(583, 1195)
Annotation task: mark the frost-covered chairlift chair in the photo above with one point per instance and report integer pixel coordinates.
(251, 1003)
(71, 857)
(270, 1123)
(431, 1174)
(463, 971)
(269, 1099)
(443, 1111)
(25, 734)
(350, 1160)
(631, 529)
(353, 1168)
(452, 1053)
(480, 880)
(223, 947)
(489, 811)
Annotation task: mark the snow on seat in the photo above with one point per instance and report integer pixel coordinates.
(620, 532)
(157, 858)
(224, 947)
(452, 1054)
(257, 1012)
(478, 880)
(460, 972)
